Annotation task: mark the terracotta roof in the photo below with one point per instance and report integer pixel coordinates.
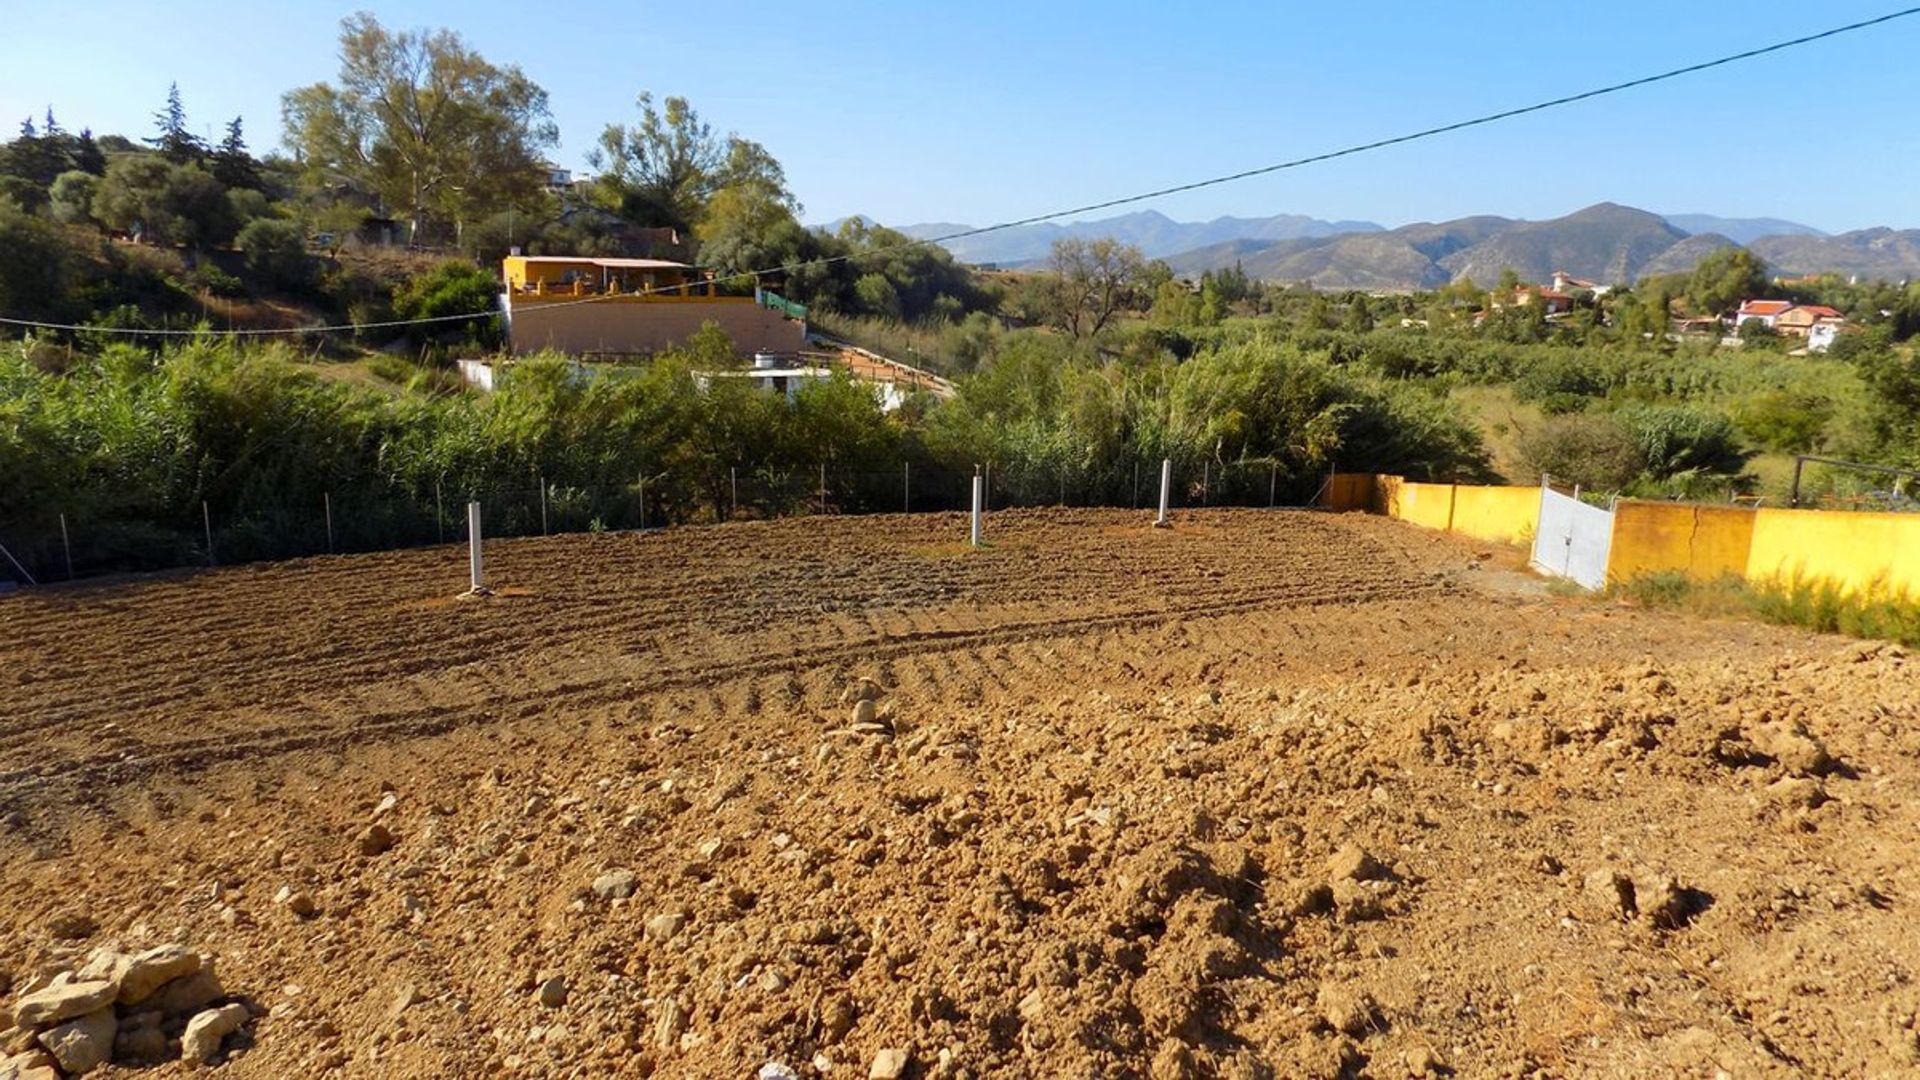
(1764, 307)
(1821, 311)
(614, 264)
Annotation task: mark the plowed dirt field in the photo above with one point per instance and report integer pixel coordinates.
(1267, 794)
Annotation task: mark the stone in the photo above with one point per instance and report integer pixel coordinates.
(890, 1064)
(615, 885)
(1803, 791)
(83, 1044)
(1662, 901)
(1355, 902)
(1347, 1010)
(407, 998)
(1797, 750)
(189, 995)
(666, 926)
(62, 999)
(375, 839)
(72, 926)
(1352, 863)
(205, 1032)
(1425, 1061)
(144, 973)
(1609, 893)
(553, 992)
(669, 1024)
(864, 711)
(144, 1043)
(776, 1070)
(295, 901)
(35, 1064)
(837, 1018)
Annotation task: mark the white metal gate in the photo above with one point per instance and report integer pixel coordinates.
(1573, 539)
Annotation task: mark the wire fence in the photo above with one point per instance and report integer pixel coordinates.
(71, 544)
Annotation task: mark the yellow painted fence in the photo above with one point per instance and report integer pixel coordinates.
(1852, 549)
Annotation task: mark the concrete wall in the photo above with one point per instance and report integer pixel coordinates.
(1856, 550)
(1505, 515)
(1703, 542)
(645, 326)
(1349, 491)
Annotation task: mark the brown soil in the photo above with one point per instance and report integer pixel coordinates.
(1095, 827)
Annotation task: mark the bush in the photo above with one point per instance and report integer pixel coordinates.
(276, 250)
(1592, 451)
(1680, 439)
(450, 289)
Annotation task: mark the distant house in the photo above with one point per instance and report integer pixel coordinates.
(772, 373)
(1817, 323)
(1765, 312)
(1564, 282)
(1553, 301)
(635, 307)
(558, 179)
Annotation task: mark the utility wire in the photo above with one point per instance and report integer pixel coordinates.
(1264, 170)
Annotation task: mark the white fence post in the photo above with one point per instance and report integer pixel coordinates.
(977, 493)
(1166, 486)
(475, 566)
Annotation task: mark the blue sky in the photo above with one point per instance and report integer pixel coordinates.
(986, 111)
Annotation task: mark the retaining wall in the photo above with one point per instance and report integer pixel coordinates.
(1506, 515)
(1703, 542)
(1856, 550)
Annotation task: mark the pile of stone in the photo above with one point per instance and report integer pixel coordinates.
(133, 1008)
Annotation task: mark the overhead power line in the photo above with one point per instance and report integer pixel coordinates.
(1125, 200)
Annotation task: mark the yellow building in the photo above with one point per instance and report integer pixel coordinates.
(633, 307)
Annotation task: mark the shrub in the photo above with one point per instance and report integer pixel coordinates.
(276, 250)
(1592, 451)
(450, 289)
(1676, 439)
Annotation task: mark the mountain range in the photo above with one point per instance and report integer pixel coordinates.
(1606, 243)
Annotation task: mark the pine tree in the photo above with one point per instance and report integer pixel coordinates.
(174, 141)
(232, 165)
(87, 155)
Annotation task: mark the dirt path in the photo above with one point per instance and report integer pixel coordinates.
(1102, 821)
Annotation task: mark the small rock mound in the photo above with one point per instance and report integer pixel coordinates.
(129, 1008)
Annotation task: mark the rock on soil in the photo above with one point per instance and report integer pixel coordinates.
(890, 1064)
(201, 1040)
(62, 999)
(83, 1044)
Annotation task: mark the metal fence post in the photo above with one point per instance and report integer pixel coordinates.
(906, 487)
(643, 501)
(206, 520)
(733, 488)
(543, 504)
(1133, 494)
(1273, 481)
(1166, 486)
(66, 544)
(475, 567)
(979, 486)
(439, 515)
(823, 487)
(1205, 470)
(326, 504)
(17, 566)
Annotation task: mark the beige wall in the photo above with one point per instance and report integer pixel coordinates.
(628, 328)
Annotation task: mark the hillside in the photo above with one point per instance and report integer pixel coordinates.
(1151, 231)
(1606, 243)
(1740, 230)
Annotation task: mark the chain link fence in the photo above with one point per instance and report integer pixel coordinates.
(74, 545)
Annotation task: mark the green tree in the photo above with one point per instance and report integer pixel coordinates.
(164, 203)
(1095, 280)
(172, 138)
(1724, 278)
(232, 165)
(425, 123)
(667, 168)
(71, 199)
(276, 250)
(1595, 452)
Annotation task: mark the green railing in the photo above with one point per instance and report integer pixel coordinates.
(780, 304)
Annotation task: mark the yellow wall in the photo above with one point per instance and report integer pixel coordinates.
(1350, 491)
(1855, 550)
(1703, 542)
(1506, 515)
